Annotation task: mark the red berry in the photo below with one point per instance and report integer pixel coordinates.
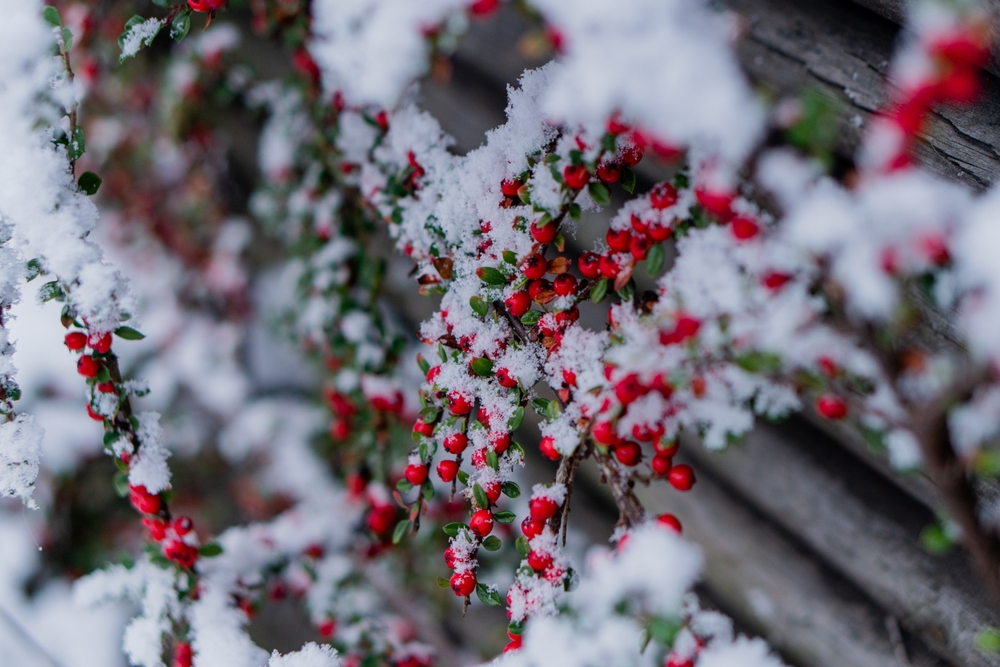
(532, 527)
(828, 367)
(536, 287)
(609, 267)
(831, 407)
(659, 233)
(463, 583)
(576, 176)
(459, 403)
(619, 240)
(481, 523)
(604, 433)
(144, 501)
(775, 280)
(716, 203)
(483, 8)
(518, 303)
(513, 645)
(492, 491)
(609, 172)
(681, 477)
(76, 340)
(479, 458)
(629, 389)
(744, 228)
(590, 264)
(548, 448)
(640, 246)
(100, 343)
(667, 449)
(661, 465)
(327, 628)
(541, 508)
(382, 120)
(183, 525)
(88, 366)
(670, 521)
(416, 473)
(96, 416)
(449, 558)
(183, 554)
(568, 316)
(510, 187)
(106, 387)
(447, 470)
(632, 155)
(182, 655)
(535, 266)
(629, 453)
(423, 428)
(663, 196)
(564, 284)
(381, 519)
(433, 373)
(685, 328)
(504, 379)
(539, 561)
(546, 234)
(499, 441)
(157, 528)
(456, 443)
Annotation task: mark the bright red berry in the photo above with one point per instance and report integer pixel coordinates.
(541, 508)
(518, 303)
(459, 403)
(532, 527)
(548, 448)
(681, 477)
(157, 528)
(576, 176)
(639, 247)
(183, 525)
(831, 407)
(510, 187)
(619, 240)
(499, 441)
(482, 8)
(536, 287)
(381, 519)
(76, 340)
(493, 491)
(609, 267)
(449, 558)
(88, 366)
(632, 154)
(96, 416)
(423, 428)
(433, 373)
(546, 234)
(481, 523)
(327, 628)
(668, 448)
(744, 229)
(447, 470)
(183, 554)
(463, 583)
(504, 379)
(144, 501)
(629, 389)
(182, 655)
(661, 464)
(609, 172)
(775, 280)
(539, 561)
(101, 343)
(535, 266)
(628, 453)
(590, 265)
(604, 433)
(564, 284)
(456, 443)
(670, 521)
(663, 196)
(416, 473)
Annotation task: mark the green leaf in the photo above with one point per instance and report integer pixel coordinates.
(627, 291)
(599, 192)
(628, 180)
(209, 550)
(553, 410)
(51, 14)
(49, 291)
(540, 405)
(479, 305)
(103, 375)
(988, 640)
(33, 269)
(491, 276)
(89, 183)
(543, 221)
(575, 211)
(482, 367)
(492, 543)
(664, 630)
(654, 259)
(451, 529)
(400, 531)
(480, 495)
(67, 38)
(515, 419)
(463, 477)
(443, 583)
(515, 627)
(128, 333)
(598, 291)
(120, 481)
(110, 438)
(505, 516)
(121, 465)
(492, 460)
(510, 257)
(78, 146)
(935, 540)
(510, 489)
(487, 595)
(551, 158)
(404, 486)
(427, 490)
(530, 318)
(522, 546)
(759, 362)
(180, 26)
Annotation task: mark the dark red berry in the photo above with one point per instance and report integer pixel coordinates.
(619, 240)
(534, 266)
(590, 265)
(628, 453)
(576, 176)
(564, 284)
(681, 477)
(663, 196)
